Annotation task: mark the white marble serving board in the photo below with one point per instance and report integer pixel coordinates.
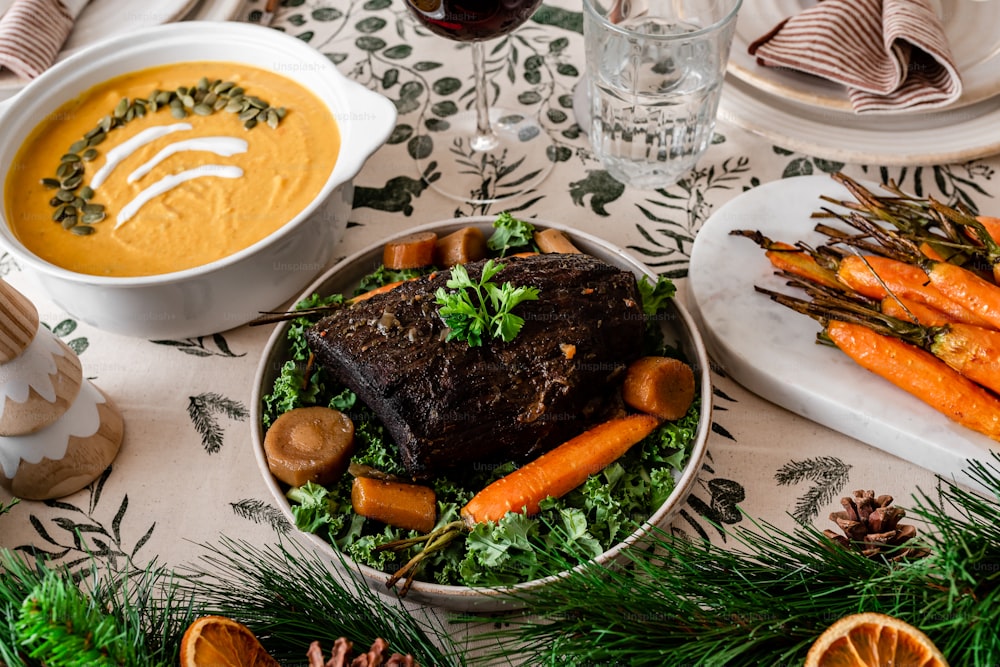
(772, 350)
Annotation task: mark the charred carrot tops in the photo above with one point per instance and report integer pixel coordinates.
(921, 374)
(791, 259)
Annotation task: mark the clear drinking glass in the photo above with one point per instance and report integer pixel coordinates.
(655, 70)
(495, 153)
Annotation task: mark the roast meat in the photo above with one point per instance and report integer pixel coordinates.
(451, 407)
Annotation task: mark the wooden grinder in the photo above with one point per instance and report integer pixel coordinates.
(58, 432)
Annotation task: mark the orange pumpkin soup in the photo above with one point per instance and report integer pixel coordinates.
(167, 190)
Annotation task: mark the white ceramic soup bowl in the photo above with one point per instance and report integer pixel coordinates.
(231, 291)
(678, 329)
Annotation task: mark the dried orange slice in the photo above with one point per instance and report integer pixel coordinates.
(218, 641)
(873, 640)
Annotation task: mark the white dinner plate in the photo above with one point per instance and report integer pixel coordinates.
(939, 137)
(104, 18)
(772, 351)
(971, 28)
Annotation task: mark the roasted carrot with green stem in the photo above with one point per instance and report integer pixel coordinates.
(552, 475)
(964, 287)
(972, 351)
(792, 259)
(878, 277)
(921, 374)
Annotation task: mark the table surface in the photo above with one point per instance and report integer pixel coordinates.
(186, 474)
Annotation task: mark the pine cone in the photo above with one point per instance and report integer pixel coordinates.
(872, 527)
(377, 656)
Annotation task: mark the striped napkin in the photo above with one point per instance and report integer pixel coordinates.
(891, 54)
(32, 33)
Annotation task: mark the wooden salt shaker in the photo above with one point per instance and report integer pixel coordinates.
(58, 432)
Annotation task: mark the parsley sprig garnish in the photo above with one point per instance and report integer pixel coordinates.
(481, 308)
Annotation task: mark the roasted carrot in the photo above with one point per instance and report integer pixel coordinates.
(410, 252)
(559, 471)
(460, 247)
(875, 277)
(553, 474)
(553, 240)
(914, 311)
(791, 259)
(400, 504)
(659, 386)
(964, 287)
(919, 373)
(382, 289)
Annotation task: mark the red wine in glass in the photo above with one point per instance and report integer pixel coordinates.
(492, 143)
(472, 20)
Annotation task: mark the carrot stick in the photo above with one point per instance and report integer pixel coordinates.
(382, 289)
(921, 374)
(410, 252)
(400, 504)
(875, 277)
(660, 386)
(558, 471)
(977, 295)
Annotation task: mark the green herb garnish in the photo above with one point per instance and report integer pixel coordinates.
(481, 307)
(510, 233)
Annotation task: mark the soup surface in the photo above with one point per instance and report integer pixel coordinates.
(176, 192)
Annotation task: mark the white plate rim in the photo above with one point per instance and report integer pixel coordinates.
(940, 137)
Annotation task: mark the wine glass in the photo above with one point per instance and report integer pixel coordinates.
(495, 154)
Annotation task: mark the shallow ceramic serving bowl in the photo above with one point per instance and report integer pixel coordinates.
(678, 328)
(230, 291)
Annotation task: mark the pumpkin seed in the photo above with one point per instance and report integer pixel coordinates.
(68, 222)
(92, 132)
(257, 102)
(203, 109)
(96, 139)
(210, 99)
(78, 146)
(78, 201)
(86, 192)
(106, 123)
(50, 182)
(203, 83)
(223, 86)
(281, 111)
(70, 157)
(55, 202)
(178, 112)
(73, 182)
(187, 100)
(183, 90)
(92, 208)
(62, 212)
(164, 97)
(64, 170)
(82, 230)
(220, 104)
(250, 124)
(65, 195)
(249, 114)
(272, 118)
(121, 108)
(130, 115)
(89, 154)
(91, 218)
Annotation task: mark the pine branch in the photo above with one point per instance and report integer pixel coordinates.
(289, 598)
(765, 600)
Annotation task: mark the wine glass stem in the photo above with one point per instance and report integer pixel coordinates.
(486, 138)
